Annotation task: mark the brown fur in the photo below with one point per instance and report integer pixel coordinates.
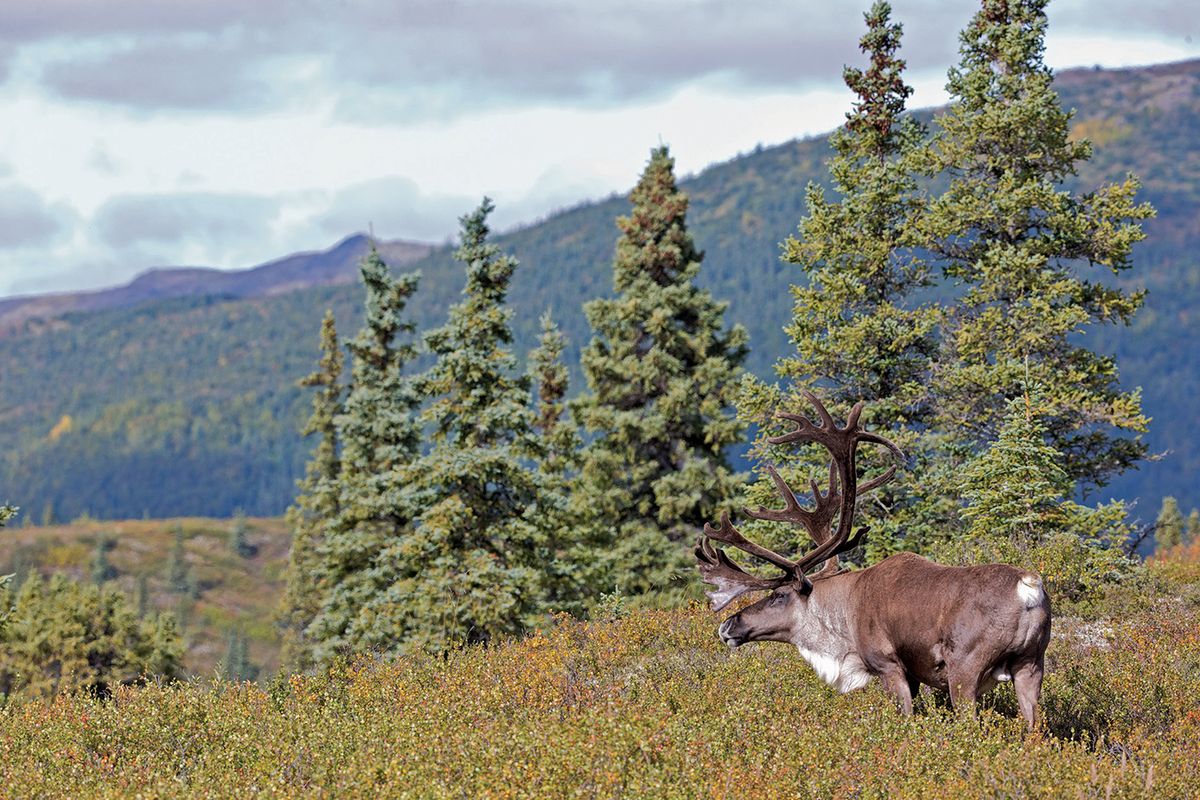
(911, 621)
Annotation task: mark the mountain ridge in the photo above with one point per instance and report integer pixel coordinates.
(292, 272)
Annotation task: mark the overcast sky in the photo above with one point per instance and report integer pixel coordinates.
(137, 133)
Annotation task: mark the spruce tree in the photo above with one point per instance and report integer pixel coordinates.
(1017, 510)
(67, 636)
(857, 331)
(239, 541)
(556, 456)
(179, 577)
(1028, 258)
(661, 370)
(316, 504)
(379, 436)
(236, 664)
(1193, 526)
(1016, 489)
(471, 569)
(102, 568)
(1168, 529)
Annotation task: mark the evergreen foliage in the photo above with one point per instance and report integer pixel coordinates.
(229, 410)
(472, 567)
(62, 636)
(1193, 526)
(179, 576)
(660, 369)
(1031, 262)
(557, 458)
(1018, 510)
(236, 665)
(856, 331)
(316, 502)
(102, 568)
(1169, 527)
(378, 436)
(239, 541)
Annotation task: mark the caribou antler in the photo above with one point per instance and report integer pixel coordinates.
(841, 442)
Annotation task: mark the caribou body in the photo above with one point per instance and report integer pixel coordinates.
(906, 620)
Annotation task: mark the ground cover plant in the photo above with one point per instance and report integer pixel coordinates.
(646, 704)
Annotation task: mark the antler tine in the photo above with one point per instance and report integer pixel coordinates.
(815, 521)
(852, 417)
(878, 480)
(841, 442)
(731, 535)
(731, 580)
(863, 436)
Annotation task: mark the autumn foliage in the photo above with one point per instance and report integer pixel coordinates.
(650, 705)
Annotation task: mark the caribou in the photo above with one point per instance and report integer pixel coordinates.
(906, 620)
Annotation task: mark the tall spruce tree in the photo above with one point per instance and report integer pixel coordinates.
(661, 371)
(1027, 257)
(471, 568)
(857, 331)
(556, 456)
(316, 503)
(379, 436)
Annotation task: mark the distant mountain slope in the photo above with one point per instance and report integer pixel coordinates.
(336, 265)
(188, 406)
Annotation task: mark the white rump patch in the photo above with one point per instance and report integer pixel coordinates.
(1029, 589)
(844, 674)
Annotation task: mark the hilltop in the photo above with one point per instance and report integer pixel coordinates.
(188, 405)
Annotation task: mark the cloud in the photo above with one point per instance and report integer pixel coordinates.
(34, 21)
(26, 220)
(218, 221)
(432, 58)
(164, 75)
(428, 59)
(395, 206)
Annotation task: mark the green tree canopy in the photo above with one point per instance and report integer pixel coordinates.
(1030, 262)
(1169, 527)
(379, 436)
(62, 635)
(316, 502)
(472, 566)
(857, 332)
(661, 371)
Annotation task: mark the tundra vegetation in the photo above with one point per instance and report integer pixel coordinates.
(461, 519)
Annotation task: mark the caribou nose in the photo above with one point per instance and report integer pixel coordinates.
(723, 633)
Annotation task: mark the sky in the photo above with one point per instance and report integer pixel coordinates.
(143, 133)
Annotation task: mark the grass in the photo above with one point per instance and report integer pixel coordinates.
(650, 705)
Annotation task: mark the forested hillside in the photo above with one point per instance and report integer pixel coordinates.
(189, 405)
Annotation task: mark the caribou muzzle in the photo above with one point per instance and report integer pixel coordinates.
(732, 632)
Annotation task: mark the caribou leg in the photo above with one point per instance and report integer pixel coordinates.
(898, 686)
(1027, 681)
